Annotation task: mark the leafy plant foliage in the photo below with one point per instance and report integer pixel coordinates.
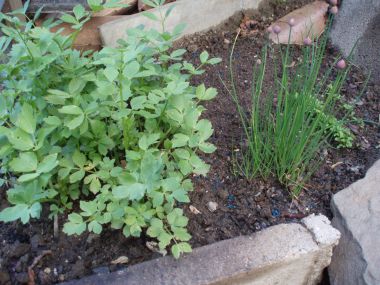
(116, 131)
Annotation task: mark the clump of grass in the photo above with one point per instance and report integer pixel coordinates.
(286, 126)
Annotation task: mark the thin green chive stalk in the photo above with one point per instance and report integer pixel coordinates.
(286, 127)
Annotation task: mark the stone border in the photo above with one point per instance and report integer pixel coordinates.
(292, 252)
(356, 210)
(357, 23)
(199, 15)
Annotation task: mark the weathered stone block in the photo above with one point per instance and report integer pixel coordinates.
(358, 22)
(356, 209)
(280, 255)
(198, 15)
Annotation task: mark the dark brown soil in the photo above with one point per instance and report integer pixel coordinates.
(243, 206)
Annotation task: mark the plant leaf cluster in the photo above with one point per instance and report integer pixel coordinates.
(115, 132)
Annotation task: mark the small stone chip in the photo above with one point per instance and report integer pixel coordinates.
(194, 210)
(120, 260)
(212, 206)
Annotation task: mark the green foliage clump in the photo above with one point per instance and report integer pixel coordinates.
(288, 124)
(116, 132)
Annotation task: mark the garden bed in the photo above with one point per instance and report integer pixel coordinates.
(243, 206)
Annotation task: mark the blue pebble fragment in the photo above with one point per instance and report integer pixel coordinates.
(230, 197)
(229, 206)
(275, 213)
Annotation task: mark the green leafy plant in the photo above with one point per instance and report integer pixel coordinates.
(116, 132)
(290, 123)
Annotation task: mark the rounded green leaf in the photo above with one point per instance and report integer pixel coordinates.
(26, 162)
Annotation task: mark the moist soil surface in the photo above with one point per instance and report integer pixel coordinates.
(243, 206)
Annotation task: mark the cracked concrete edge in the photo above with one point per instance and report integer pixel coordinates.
(282, 252)
(321, 229)
(326, 236)
(199, 16)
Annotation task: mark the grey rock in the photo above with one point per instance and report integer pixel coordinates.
(4, 277)
(18, 249)
(35, 241)
(356, 210)
(55, 5)
(199, 15)
(77, 269)
(282, 254)
(22, 278)
(92, 237)
(359, 20)
(101, 270)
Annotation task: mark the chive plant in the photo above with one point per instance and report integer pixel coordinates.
(286, 125)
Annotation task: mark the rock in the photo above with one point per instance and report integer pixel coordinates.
(22, 263)
(212, 206)
(192, 48)
(18, 249)
(22, 277)
(4, 277)
(357, 23)
(120, 260)
(223, 194)
(309, 21)
(194, 210)
(283, 254)
(321, 228)
(47, 270)
(89, 37)
(45, 278)
(91, 237)
(78, 269)
(55, 6)
(35, 241)
(153, 246)
(101, 270)
(356, 210)
(199, 16)
(61, 277)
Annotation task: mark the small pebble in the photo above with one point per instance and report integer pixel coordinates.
(47, 270)
(22, 277)
(275, 213)
(223, 194)
(194, 210)
(212, 206)
(120, 260)
(101, 270)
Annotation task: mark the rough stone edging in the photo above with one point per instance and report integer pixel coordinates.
(199, 15)
(356, 211)
(282, 252)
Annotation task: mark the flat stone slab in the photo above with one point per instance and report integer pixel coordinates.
(55, 5)
(283, 252)
(359, 21)
(356, 209)
(199, 15)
